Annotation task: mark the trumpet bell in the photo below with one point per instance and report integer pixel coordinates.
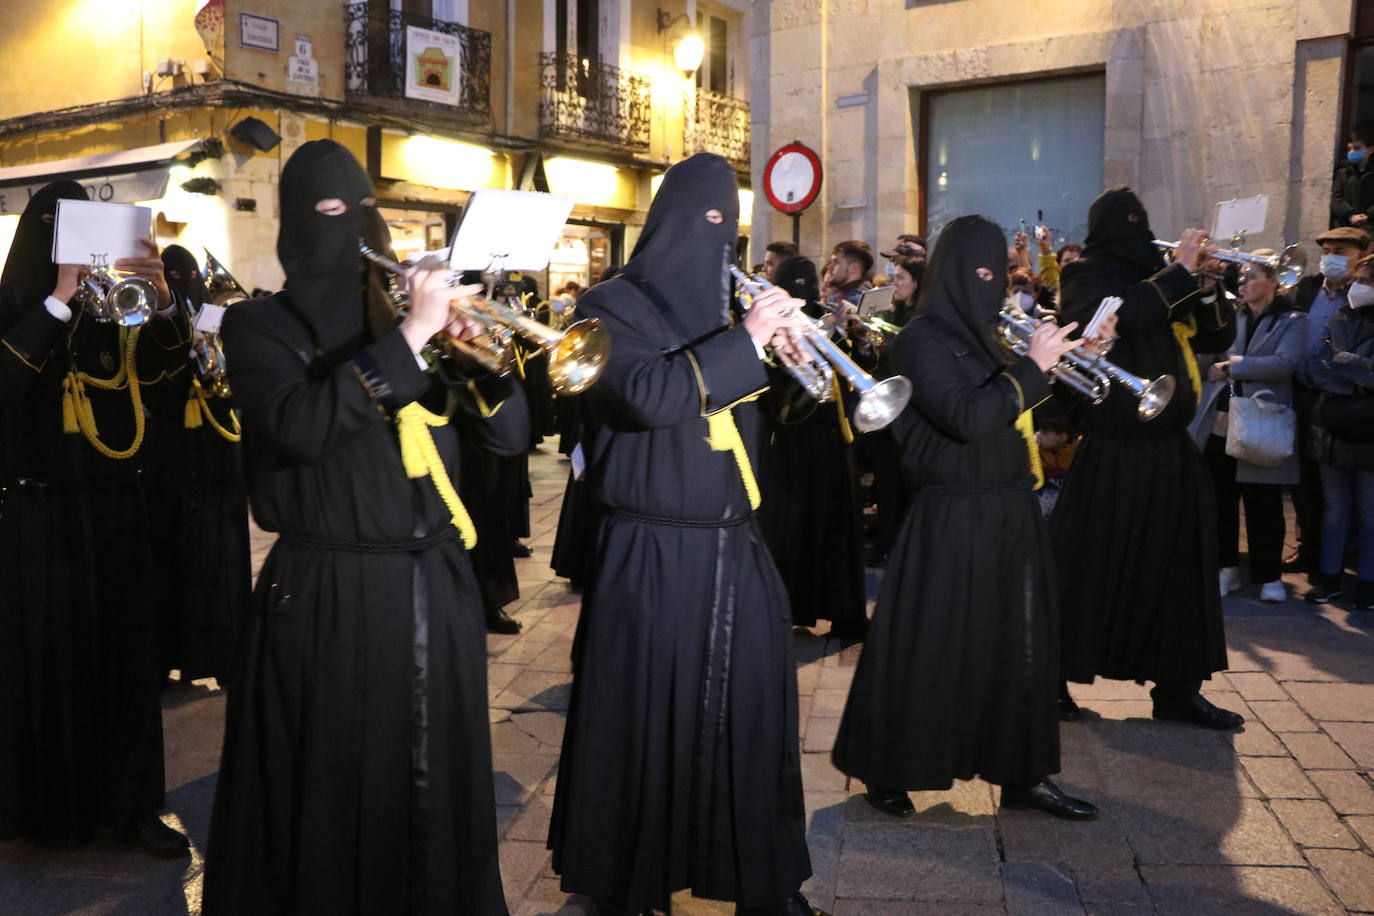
(881, 404)
(1155, 397)
(1292, 266)
(578, 358)
(130, 302)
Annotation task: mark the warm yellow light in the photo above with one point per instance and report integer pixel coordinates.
(9, 225)
(444, 163)
(583, 181)
(654, 182)
(746, 208)
(689, 53)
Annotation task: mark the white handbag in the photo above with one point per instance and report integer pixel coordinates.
(1261, 430)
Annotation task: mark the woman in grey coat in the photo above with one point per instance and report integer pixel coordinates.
(1268, 349)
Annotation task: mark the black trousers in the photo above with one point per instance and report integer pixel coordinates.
(1307, 495)
(1264, 524)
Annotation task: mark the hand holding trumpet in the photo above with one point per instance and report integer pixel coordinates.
(772, 320)
(431, 306)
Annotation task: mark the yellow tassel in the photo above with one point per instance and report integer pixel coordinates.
(191, 418)
(1025, 425)
(1183, 332)
(69, 424)
(420, 458)
(724, 437)
(845, 429)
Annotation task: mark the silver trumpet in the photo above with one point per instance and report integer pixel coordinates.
(875, 330)
(1089, 374)
(1289, 266)
(128, 302)
(880, 402)
(577, 355)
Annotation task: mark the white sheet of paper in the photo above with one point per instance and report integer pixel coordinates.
(1108, 306)
(208, 321)
(579, 461)
(84, 228)
(876, 300)
(517, 230)
(1239, 216)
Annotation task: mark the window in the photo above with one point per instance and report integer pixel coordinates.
(577, 41)
(1023, 151)
(714, 74)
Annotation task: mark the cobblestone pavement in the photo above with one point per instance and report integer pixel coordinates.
(1278, 818)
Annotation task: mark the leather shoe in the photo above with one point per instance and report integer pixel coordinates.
(890, 801)
(1068, 709)
(498, 621)
(796, 905)
(605, 906)
(1196, 709)
(157, 839)
(519, 550)
(1047, 797)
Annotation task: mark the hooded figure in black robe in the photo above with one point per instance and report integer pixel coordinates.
(812, 519)
(680, 766)
(356, 774)
(80, 675)
(1135, 527)
(958, 677)
(214, 580)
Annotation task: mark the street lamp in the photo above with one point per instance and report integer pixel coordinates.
(690, 49)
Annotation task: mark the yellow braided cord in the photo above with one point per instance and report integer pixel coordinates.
(1025, 425)
(1183, 332)
(191, 417)
(75, 398)
(420, 457)
(724, 437)
(203, 410)
(845, 430)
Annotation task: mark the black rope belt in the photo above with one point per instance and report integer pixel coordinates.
(672, 522)
(447, 533)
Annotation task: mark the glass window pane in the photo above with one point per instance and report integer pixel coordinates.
(1014, 152)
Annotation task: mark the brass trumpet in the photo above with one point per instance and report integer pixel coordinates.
(128, 302)
(1289, 266)
(875, 328)
(880, 402)
(1089, 374)
(207, 351)
(577, 356)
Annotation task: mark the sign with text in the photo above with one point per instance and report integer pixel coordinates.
(124, 189)
(432, 65)
(302, 70)
(85, 229)
(259, 32)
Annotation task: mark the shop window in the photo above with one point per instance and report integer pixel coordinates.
(1028, 151)
(414, 232)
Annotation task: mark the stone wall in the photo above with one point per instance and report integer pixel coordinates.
(1206, 100)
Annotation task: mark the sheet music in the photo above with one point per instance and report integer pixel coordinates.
(86, 228)
(1108, 307)
(509, 230)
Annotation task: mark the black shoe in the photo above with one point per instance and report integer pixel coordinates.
(1196, 709)
(1047, 797)
(890, 801)
(855, 629)
(605, 906)
(498, 621)
(157, 839)
(1295, 562)
(1324, 590)
(520, 551)
(796, 905)
(1068, 709)
(1364, 595)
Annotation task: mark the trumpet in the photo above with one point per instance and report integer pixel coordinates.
(1089, 374)
(1289, 266)
(128, 302)
(577, 356)
(875, 328)
(208, 353)
(880, 402)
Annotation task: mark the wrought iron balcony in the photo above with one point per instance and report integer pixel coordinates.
(375, 63)
(593, 102)
(720, 125)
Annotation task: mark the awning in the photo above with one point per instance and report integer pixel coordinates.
(121, 177)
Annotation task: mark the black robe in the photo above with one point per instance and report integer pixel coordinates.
(356, 776)
(80, 674)
(957, 677)
(681, 765)
(1135, 525)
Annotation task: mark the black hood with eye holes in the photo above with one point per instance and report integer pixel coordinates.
(183, 275)
(684, 256)
(29, 269)
(319, 252)
(964, 286)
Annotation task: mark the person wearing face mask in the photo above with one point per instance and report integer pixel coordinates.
(958, 678)
(356, 772)
(1321, 295)
(80, 662)
(1268, 349)
(1352, 184)
(681, 766)
(1135, 525)
(1341, 366)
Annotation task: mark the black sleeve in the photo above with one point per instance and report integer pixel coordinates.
(31, 337)
(964, 411)
(494, 414)
(1152, 301)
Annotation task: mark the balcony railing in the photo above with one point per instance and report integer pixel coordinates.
(375, 63)
(593, 102)
(720, 125)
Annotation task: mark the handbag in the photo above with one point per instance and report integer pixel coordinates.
(1261, 430)
(1348, 416)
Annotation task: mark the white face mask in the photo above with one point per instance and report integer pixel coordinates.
(891, 270)
(1360, 295)
(1025, 301)
(1334, 266)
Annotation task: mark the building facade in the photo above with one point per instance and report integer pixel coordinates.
(191, 107)
(925, 109)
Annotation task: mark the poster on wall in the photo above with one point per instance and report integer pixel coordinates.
(432, 65)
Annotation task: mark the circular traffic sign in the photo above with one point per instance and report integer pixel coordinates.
(792, 178)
